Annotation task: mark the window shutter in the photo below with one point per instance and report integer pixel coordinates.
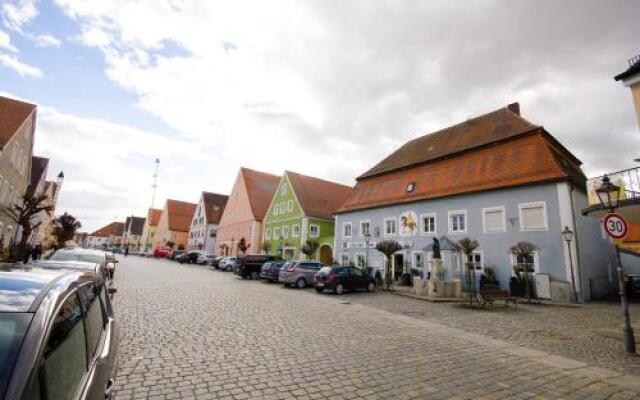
(533, 218)
(494, 221)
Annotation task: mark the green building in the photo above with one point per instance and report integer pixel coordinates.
(302, 209)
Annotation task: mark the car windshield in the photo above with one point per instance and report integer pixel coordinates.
(13, 327)
(325, 270)
(73, 256)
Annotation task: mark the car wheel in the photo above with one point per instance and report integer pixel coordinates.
(301, 283)
(339, 289)
(254, 275)
(371, 287)
(319, 289)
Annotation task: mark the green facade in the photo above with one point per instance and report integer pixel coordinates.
(286, 227)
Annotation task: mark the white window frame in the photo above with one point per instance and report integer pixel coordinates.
(482, 262)
(435, 224)
(466, 221)
(362, 256)
(536, 261)
(283, 189)
(295, 230)
(344, 256)
(344, 226)
(493, 209)
(276, 233)
(311, 234)
(395, 226)
(424, 260)
(285, 232)
(289, 205)
(534, 205)
(364, 221)
(275, 209)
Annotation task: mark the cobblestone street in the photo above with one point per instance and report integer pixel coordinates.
(189, 332)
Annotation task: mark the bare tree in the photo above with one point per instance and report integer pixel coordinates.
(468, 246)
(242, 245)
(266, 247)
(388, 248)
(24, 215)
(309, 248)
(525, 250)
(64, 227)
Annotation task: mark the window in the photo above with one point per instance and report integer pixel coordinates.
(346, 229)
(283, 189)
(533, 216)
(276, 233)
(531, 261)
(344, 259)
(458, 221)
(285, 232)
(428, 224)
(476, 261)
(355, 272)
(390, 226)
(493, 220)
(289, 205)
(295, 230)
(282, 208)
(411, 187)
(360, 260)
(418, 260)
(275, 209)
(94, 318)
(365, 228)
(65, 354)
(314, 231)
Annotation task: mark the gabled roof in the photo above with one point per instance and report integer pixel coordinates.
(13, 113)
(38, 172)
(154, 216)
(261, 187)
(179, 214)
(317, 197)
(114, 228)
(135, 225)
(523, 159)
(634, 68)
(214, 205)
(480, 131)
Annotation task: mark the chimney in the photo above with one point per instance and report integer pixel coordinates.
(514, 108)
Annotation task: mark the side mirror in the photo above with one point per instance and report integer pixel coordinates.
(112, 290)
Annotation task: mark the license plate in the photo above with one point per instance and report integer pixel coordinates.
(320, 284)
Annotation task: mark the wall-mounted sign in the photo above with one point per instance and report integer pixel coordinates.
(408, 222)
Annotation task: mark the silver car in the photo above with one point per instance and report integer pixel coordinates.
(299, 273)
(226, 264)
(107, 261)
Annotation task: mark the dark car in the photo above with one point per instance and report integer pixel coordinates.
(250, 266)
(215, 263)
(271, 271)
(190, 257)
(58, 337)
(633, 285)
(174, 254)
(338, 279)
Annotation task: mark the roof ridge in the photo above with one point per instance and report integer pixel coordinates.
(318, 179)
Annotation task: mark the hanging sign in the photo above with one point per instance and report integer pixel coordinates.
(615, 226)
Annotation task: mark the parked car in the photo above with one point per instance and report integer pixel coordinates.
(190, 257)
(96, 268)
(174, 254)
(299, 273)
(161, 253)
(205, 258)
(338, 279)
(215, 263)
(145, 253)
(53, 324)
(633, 285)
(108, 262)
(226, 264)
(271, 271)
(249, 266)
(134, 252)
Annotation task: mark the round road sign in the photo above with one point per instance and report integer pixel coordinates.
(615, 225)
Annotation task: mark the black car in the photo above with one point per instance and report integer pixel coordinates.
(271, 271)
(190, 257)
(250, 266)
(215, 263)
(58, 337)
(338, 279)
(633, 285)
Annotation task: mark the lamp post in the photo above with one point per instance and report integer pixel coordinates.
(567, 235)
(609, 193)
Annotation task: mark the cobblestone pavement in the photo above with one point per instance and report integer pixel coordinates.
(188, 332)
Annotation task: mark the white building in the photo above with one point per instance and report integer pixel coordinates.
(204, 225)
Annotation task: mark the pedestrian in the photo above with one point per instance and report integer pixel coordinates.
(126, 251)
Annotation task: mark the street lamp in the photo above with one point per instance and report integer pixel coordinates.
(567, 235)
(610, 193)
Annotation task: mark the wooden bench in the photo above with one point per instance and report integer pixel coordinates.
(489, 296)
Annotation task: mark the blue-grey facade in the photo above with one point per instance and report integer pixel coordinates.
(497, 219)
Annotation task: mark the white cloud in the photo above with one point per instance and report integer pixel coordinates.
(46, 40)
(18, 13)
(24, 70)
(5, 42)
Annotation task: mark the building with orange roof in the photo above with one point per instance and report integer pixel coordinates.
(242, 219)
(302, 209)
(173, 225)
(108, 236)
(149, 229)
(204, 224)
(496, 178)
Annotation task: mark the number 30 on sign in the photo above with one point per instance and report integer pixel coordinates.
(615, 226)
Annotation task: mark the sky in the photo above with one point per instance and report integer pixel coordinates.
(325, 88)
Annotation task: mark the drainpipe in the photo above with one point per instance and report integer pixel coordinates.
(577, 241)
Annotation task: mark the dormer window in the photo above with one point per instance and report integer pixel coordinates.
(411, 187)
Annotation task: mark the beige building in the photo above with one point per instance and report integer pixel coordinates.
(173, 226)
(631, 79)
(17, 127)
(149, 229)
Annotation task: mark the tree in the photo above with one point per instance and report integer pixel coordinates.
(170, 244)
(23, 215)
(309, 248)
(468, 246)
(524, 250)
(64, 227)
(266, 247)
(242, 245)
(388, 248)
(180, 247)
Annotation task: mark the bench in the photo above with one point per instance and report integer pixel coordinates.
(489, 296)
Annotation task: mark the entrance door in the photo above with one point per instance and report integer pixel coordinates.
(398, 266)
(326, 254)
(288, 254)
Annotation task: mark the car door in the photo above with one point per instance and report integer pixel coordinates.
(356, 278)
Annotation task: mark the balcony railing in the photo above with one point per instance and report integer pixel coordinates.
(628, 180)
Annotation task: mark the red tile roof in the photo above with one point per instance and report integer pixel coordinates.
(13, 113)
(180, 214)
(317, 197)
(154, 216)
(114, 228)
(261, 187)
(514, 159)
(214, 205)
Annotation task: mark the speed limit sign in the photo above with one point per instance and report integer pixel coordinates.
(615, 226)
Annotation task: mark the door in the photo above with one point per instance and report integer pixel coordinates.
(398, 266)
(356, 279)
(326, 254)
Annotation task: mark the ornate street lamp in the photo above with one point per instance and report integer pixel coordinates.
(610, 193)
(567, 235)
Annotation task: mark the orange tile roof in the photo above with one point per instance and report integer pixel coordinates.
(114, 228)
(214, 205)
(13, 113)
(154, 216)
(180, 214)
(532, 158)
(317, 197)
(494, 126)
(261, 187)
